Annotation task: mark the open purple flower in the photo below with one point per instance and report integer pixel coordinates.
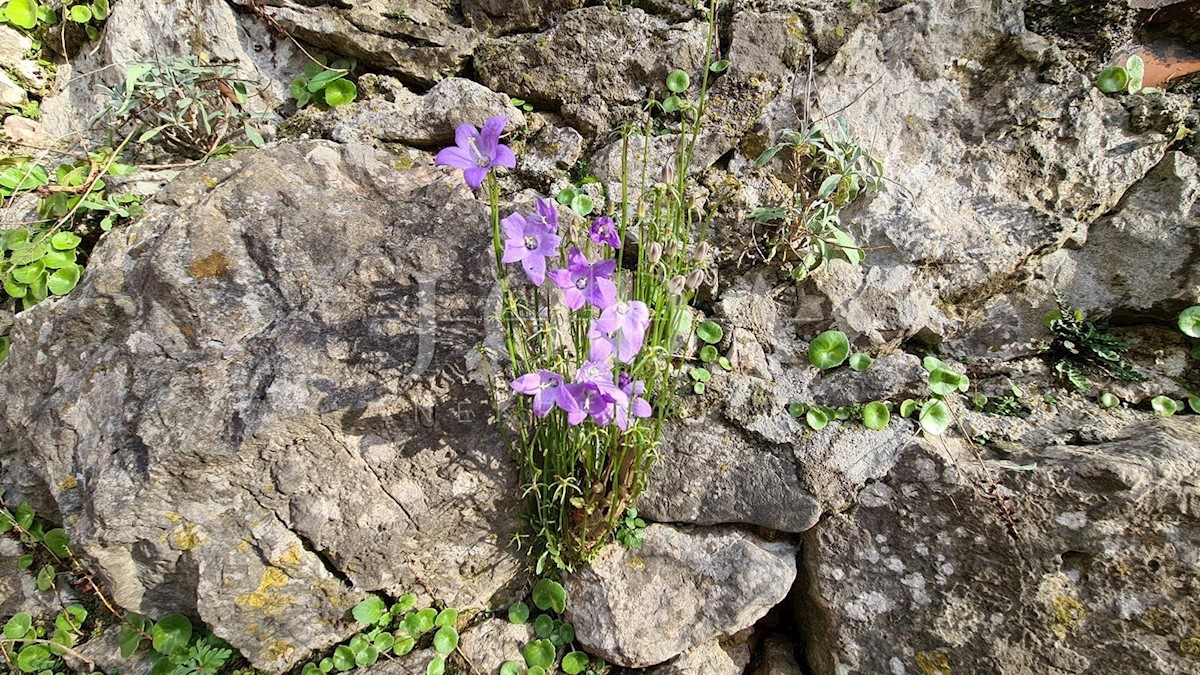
(633, 405)
(529, 242)
(547, 213)
(585, 282)
(477, 151)
(544, 385)
(621, 329)
(604, 231)
(599, 373)
(583, 400)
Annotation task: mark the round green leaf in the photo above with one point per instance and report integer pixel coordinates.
(100, 9)
(566, 196)
(369, 610)
(28, 274)
(575, 663)
(56, 540)
(436, 667)
(582, 204)
(934, 417)
(537, 670)
(708, 354)
(64, 280)
(403, 645)
(699, 388)
(81, 13)
(549, 594)
(710, 332)
(796, 409)
(1164, 406)
(445, 640)
(671, 103)
(564, 634)
(817, 419)
(539, 653)
(700, 374)
(343, 658)
(34, 658)
(860, 362)
(405, 603)
(943, 381)
(421, 622)
(366, 657)
(678, 81)
(64, 241)
(512, 668)
(171, 634)
(340, 92)
(22, 13)
(57, 260)
(326, 665)
(876, 415)
(829, 349)
(1194, 403)
(719, 66)
(1189, 321)
(18, 626)
(1112, 79)
(518, 612)
(1135, 69)
(310, 669)
(384, 641)
(446, 617)
(724, 363)
(1108, 400)
(543, 626)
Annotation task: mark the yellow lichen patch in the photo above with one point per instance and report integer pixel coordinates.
(215, 264)
(266, 597)
(243, 546)
(932, 663)
(172, 516)
(292, 557)
(637, 563)
(1067, 612)
(68, 483)
(1190, 646)
(187, 537)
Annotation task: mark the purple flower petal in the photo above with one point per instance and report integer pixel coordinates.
(604, 268)
(513, 226)
(527, 384)
(457, 158)
(504, 156)
(474, 176)
(562, 279)
(603, 294)
(464, 134)
(535, 267)
(573, 298)
(489, 136)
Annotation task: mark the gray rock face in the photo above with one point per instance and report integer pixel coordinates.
(715, 657)
(509, 16)
(487, 645)
(592, 53)
(638, 608)
(428, 120)
(1079, 559)
(778, 657)
(262, 390)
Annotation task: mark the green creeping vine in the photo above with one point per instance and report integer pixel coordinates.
(554, 643)
(391, 632)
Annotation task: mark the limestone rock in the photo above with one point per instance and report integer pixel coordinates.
(715, 657)
(1082, 561)
(14, 46)
(264, 392)
(778, 657)
(634, 609)
(592, 53)
(508, 16)
(11, 93)
(489, 644)
(428, 120)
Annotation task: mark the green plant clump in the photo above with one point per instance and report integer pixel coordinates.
(1080, 347)
(825, 171)
(324, 83)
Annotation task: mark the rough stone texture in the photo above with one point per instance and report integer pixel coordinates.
(592, 56)
(1083, 562)
(11, 93)
(18, 592)
(428, 120)
(13, 46)
(552, 151)
(509, 16)
(1003, 151)
(489, 644)
(638, 608)
(715, 657)
(778, 657)
(417, 41)
(263, 393)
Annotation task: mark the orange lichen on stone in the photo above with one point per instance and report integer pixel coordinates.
(215, 264)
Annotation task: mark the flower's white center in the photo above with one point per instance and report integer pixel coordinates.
(531, 243)
(481, 160)
(581, 283)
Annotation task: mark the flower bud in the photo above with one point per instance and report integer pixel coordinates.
(672, 248)
(695, 279)
(675, 285)
(654, 252)
(700, 253)
(668, 174)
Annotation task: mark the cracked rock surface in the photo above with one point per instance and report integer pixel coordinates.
(260, 404)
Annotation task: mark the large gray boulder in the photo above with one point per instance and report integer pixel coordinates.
(1064, 559)
(640, 607)
(265, 393)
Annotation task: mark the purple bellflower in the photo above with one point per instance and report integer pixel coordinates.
(585, 282)
(621, 329)
(529, 241)
(476, 151)
(546, 388)
(547, 214)
(592, 394)
(604, 231)
(634, 405)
